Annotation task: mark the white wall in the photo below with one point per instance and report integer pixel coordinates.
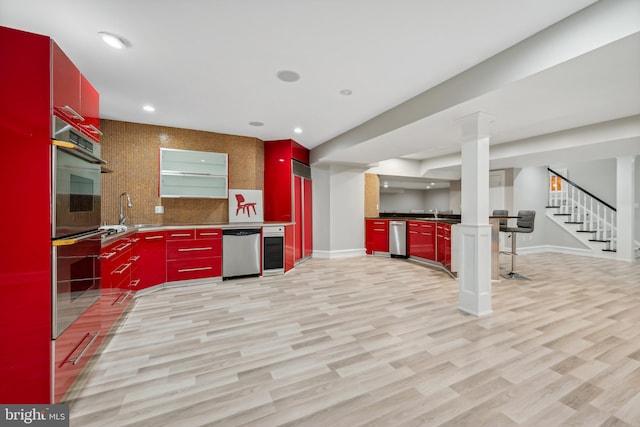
(338, 211)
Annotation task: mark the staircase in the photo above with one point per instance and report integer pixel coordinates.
(589, 219)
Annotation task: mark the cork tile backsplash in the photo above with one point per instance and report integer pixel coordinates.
(371, 194)
(132, 151)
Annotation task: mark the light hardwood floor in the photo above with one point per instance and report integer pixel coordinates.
(377, 342)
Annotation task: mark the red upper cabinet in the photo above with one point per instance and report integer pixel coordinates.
(66, 82)
(90, 109)
(74, 99)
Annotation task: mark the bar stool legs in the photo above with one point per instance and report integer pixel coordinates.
(513, 275)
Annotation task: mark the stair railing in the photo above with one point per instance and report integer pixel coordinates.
(592, 214)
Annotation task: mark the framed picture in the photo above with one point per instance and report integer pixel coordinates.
(245, 206)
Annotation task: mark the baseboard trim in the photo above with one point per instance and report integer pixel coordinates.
(345, 253)
(568, 251)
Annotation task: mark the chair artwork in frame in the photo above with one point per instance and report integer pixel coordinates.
(245, 205)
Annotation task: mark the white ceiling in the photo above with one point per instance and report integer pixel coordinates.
(211, 65)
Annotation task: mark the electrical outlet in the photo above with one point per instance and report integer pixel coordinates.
(159, 209)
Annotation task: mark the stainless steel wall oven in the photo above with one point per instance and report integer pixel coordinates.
(75, 235)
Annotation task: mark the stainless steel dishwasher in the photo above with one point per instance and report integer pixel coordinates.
(240, 252)
(398, 239)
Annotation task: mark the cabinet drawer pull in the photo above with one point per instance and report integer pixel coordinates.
(379, 222)
(134, 283)
(107, 255)
(379, 229)
(73, 113)
(122, 269)
(134, 258)
(93, 129)
(413, 232)
(181, 235)
(121, 247)
(76, 359)
(209, 234)
(123, 296)
(153, 237)
(187, 270)
(194, 249)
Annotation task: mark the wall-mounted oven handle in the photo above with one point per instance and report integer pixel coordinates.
(73, 149)
(67, 242)
(73, 113)
(76, 359)
(93, 129)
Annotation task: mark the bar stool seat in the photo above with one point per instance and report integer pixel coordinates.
(525, 224)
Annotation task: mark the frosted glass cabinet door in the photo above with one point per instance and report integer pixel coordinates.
(186, 173)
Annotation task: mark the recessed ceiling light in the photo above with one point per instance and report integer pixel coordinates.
(298, 130)
(149, 108)
(346, 92)
(432, 183)
(112, 40)
(385, 185)
(288, 76)
(428, 186)
(257, 124)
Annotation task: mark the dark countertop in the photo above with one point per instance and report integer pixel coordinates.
(446, 218)
(134, 228)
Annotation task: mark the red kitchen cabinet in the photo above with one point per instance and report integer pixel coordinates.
(287, 191)
(25, 276)
(289, 247)
(428, 236)
(89, 109)
(66, 82)
(444, 244)
(118, 263)
(377, 235)
(194, 254)
(414, 240)
(74, 348)
(152, 265)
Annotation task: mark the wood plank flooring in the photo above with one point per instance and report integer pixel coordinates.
(376, 342)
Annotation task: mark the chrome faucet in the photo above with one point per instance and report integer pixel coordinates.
(123, 218)
(435, 213)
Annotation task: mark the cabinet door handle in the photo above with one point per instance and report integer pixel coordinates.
(107, 255)
(413, 232)
(122, 269)
(134, 283)
(379, 222)
(379, 229)
(121, 247)
(134, 258)
(122, 298)
(93, 129)
(187, 270)
(76, 359)
(153, 237)
(209, 234)
(73, 113)
(181, 235)
(194, 249)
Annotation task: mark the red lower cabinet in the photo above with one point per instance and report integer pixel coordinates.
(152, 264)
(75, 346)
(377, 235)
(443, 255)
(194, 254)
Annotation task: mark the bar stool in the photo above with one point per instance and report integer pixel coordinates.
(503, 220)
(526, 221)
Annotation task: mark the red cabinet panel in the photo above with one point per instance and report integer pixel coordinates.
(152, 249)
(89, 109)
(195, 268)
(443, 255)
(75, 346)
(194, 254)
(289, 247)
(66, 82)
(307, 223)
(377, 235)
(25, 275)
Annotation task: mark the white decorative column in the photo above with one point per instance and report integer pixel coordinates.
(625, 193)
(474, 274)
